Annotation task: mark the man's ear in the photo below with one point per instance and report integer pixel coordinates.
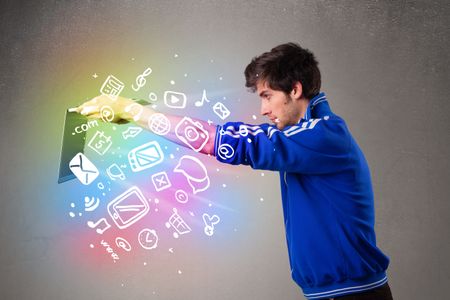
(297, 91)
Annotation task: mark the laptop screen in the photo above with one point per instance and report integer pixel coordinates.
(74, 137)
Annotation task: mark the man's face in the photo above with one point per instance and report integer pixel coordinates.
(278, 106)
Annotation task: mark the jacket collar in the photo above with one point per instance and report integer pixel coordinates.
(313, 107)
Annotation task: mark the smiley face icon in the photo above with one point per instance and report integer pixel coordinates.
(148, 239)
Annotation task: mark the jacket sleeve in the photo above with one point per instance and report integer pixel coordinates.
(315, 146)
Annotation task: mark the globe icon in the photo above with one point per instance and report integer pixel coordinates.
(159, 124)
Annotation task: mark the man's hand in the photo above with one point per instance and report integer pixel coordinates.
(123, 109)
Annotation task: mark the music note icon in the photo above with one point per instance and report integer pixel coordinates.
(200, 102)
(95, 224)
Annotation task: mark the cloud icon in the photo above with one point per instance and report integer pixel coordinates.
(194, 171)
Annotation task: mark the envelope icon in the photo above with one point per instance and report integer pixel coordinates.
(145, 156)
(83, 169)
(221, 111)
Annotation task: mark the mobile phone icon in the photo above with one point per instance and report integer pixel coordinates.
(128, 208)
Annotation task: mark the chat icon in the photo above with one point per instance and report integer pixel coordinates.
(194, 171)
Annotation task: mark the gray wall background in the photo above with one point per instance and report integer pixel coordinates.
(385, 70)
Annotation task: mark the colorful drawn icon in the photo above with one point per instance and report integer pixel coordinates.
(148, 239)
(221, 110)
(194, 171)
(225, 151)
(103, 222)
(110, 250)
(209, 223)
(123, 244)
(100, 143)
(91, 204)
(107, 113)
(201, 102)
(145, 156)
(112, 87)
(152, 97)
(128, 208)
(181, 196)
(174, 99)
(177, 223)
(161, 181)
(140, 80)
(159, 124)
(83, 169)
(192, 133)
(85, 126)
(115, 172)
(131, 132)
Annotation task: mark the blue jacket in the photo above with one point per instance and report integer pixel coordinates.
(327, 198)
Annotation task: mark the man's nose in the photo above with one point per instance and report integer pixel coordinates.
(264, 110)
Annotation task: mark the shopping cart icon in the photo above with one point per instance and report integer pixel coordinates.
(177, 222)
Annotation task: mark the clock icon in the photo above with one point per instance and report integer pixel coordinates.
(148, 238)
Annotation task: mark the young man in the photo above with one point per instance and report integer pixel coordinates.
(325, 180)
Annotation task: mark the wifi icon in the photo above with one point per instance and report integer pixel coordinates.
(91, 204)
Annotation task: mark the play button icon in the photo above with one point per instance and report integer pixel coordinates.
(174, 99)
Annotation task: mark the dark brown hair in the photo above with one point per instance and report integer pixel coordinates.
(282, 67)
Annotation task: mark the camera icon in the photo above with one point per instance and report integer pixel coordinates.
(192, 134)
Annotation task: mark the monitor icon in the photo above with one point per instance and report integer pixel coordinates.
(145, 156)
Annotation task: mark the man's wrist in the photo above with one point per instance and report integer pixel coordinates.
(127, 109)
